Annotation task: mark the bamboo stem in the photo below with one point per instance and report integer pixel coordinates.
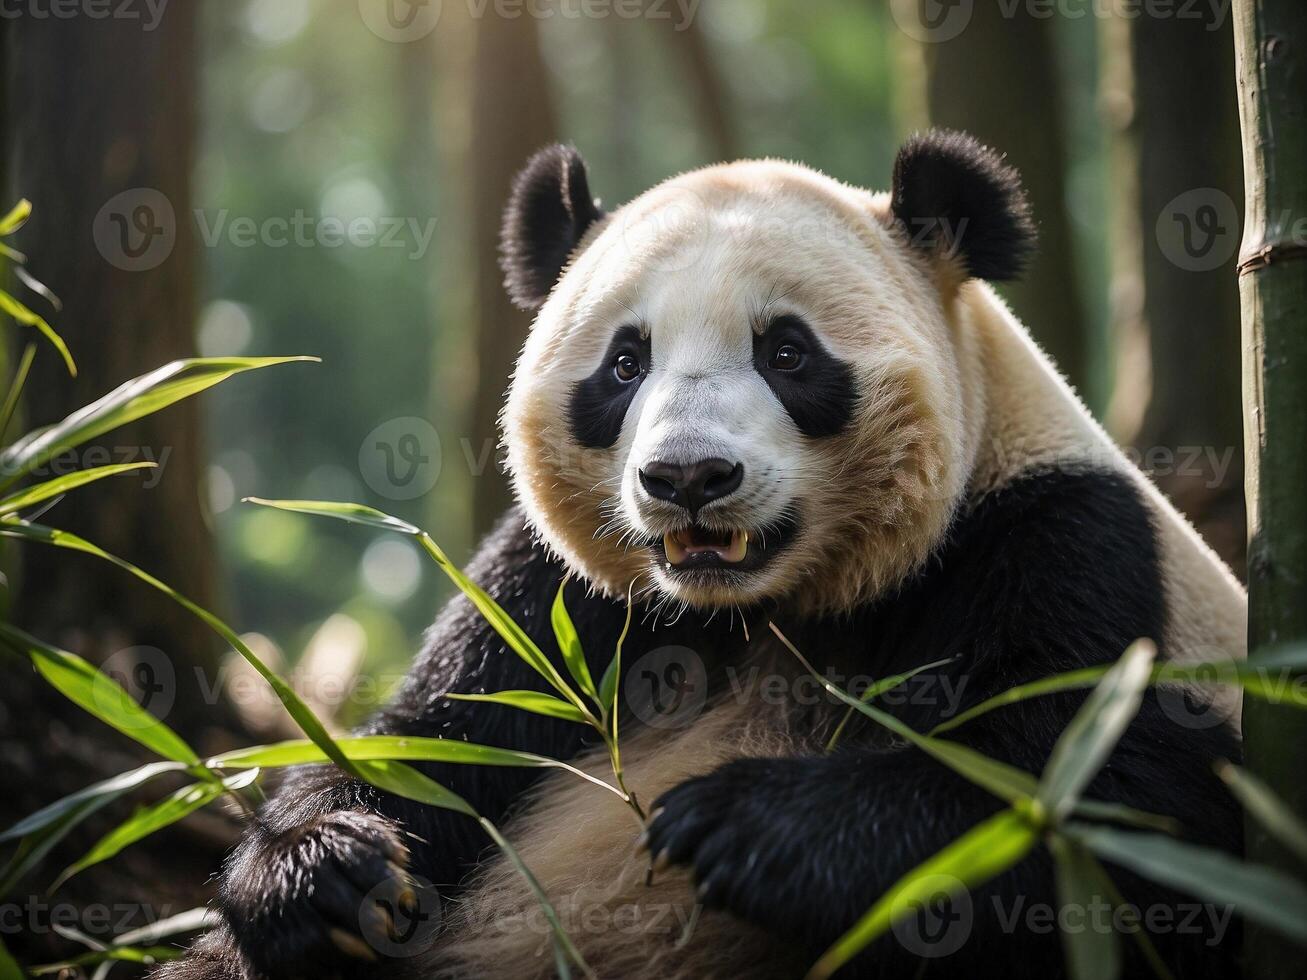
(1271, 67)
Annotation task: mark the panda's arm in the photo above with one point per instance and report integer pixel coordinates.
(325, 839)
(1055, 572)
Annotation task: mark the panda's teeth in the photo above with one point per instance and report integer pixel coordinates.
(738, 549)
(676, 552)
(680, 546)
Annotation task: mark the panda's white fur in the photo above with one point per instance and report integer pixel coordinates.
(957, 400)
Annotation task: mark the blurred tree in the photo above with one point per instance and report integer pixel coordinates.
(512, 116)
(1271, 50)
(1189, 199)
(704, 82)
(105, 154)
(107, 160)
(998, 80)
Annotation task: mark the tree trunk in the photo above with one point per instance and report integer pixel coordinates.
(1271, 60)
(1191, 437)
(107, 163)
(998, 80)
(512, 117)
(99, 126)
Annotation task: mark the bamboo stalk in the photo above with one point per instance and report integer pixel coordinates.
(1271, 68)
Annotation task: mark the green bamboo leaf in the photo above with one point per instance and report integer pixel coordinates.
(28, 318)
(1091, 953)
(151, 819)
(106, 790)
(1266, 808)
(1266, 895)
(395, 748)
(350, 513)
(32, 849)
(1070, 681)
(1008, 783)
(608, 684)
(9, 968)
(570, 645)
(98, 694)
(54, 488)
(144, 955)
(295, 707)
(1253, 675)
(563, 947)
(16, 218)
(509, 631)
(875, 690)
(532, 701)
(983, 852)
(1120, 813)
(137, 398)
(1089, 739)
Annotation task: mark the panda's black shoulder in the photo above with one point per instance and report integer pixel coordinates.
(1067, 552)
(1049, 570)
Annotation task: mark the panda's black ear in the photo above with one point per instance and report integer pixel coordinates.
(548, 212)
(955, 197)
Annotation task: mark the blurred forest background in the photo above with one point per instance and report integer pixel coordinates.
(192, 173)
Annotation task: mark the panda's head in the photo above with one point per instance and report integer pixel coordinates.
(749, 383)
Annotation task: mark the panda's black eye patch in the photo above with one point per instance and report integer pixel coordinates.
(599, 402)
(815, 387)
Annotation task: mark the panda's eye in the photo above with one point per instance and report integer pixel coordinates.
(626, 367)
(786, 357)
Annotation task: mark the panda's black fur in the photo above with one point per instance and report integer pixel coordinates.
(1051, 571)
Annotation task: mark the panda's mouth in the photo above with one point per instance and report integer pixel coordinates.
(715, 550)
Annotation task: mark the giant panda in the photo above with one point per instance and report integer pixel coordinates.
(758, 395)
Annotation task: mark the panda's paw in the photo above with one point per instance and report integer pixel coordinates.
(737, 829)
(323, 898)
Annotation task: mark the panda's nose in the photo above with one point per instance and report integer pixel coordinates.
(692, 485)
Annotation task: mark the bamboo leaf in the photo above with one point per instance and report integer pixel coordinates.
(1091, 953)
(509, 631)
(608, 684)
(150, 819)
(350, 513)
(137, 398)
(9, 968)
(396, 748)
(875, 690)
(28, 318)
(298, 710)
(563, 946)
(1008, 783)
(1253, 675)
(16, 218)
(1091, 736)
(569, 643)
(108, 790)
(146, 956)
(54, 488)
(532, 701)
(98, 694)
(1265, 895)
(1266, 808)
(983, 852)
